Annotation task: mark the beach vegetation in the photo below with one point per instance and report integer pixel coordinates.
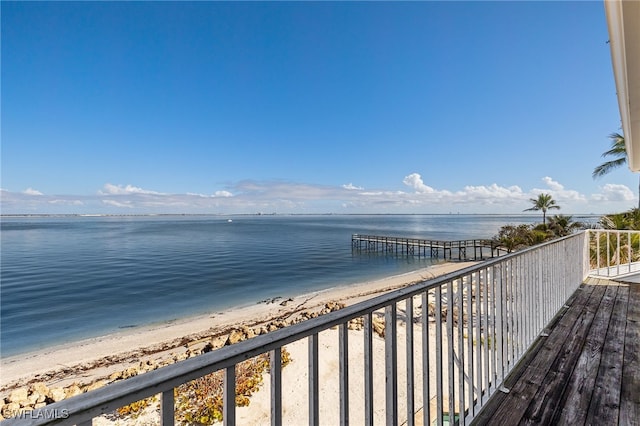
(543, 203)
(629, 220)
(134, 409)
(200, 401)
(517, 237)
(563, 225)
(513, 237)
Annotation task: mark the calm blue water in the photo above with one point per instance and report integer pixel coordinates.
(67, 278)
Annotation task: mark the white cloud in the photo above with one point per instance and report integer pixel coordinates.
(294, 197)
(492, 192)
(66, 202)
(31, 191)
(614, 192)
(414, 180)
(110, 189)
(114, 203)
(351, 186)
(552, 184)
(559, 193)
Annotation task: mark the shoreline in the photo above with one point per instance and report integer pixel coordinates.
(94, 361)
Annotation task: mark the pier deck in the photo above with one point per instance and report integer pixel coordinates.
(460, 250)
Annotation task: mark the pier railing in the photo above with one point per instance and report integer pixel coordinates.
(614, 252)
(476, 249)
(448, 344)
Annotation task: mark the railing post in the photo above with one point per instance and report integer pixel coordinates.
(167, 408)
(343, 349)
(229, 396)
(460, 352)
(368, 369)
(314, 379)
(275, 368)
(618, 253)
(486, 349)
(409, 342)
(470, 348)
(426, 391)
(391, 363)
(439, 363)
(451, 387)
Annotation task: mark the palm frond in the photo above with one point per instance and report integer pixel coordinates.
(618, 150)
(608, 166)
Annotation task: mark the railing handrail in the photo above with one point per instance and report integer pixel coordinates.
(104, 400)
(394, 237)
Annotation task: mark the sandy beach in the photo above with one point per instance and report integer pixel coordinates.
(79, 366)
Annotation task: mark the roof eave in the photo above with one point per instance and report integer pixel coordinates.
(623, 19)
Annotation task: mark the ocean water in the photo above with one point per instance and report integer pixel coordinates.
(72, 277)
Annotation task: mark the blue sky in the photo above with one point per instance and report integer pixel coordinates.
(342, 107)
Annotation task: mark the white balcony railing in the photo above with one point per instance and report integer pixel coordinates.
(458, 336)
(614, 253)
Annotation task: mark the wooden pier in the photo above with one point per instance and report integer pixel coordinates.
(460, 250)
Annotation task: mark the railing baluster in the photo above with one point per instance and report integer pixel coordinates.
(470, 349)
(426, 391)
(618, 253)
(598, 251)
(451, 388)
(629, 250)
(368, 369)
(494, 329)
(487, 336)
(410, 375)
(478, 341)
(167, 408)
(439, 363)
(461, 357)
(513, 313)
(500, 325)
(391, 362)
(229, 396)
(275, 368)
(343, 349)
(314, 409)
(520, 306)
(608, 254)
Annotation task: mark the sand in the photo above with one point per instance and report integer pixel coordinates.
(95, 359)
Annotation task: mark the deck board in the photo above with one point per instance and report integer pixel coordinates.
(630, 389)
(587, 371)
(544, 403)
(578, 393)
(605, 402)
(536, 370)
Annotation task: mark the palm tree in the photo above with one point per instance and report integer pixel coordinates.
(544, 202)
(619, 153)
(561, 225)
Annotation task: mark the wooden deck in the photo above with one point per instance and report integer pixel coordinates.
(586, 371)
